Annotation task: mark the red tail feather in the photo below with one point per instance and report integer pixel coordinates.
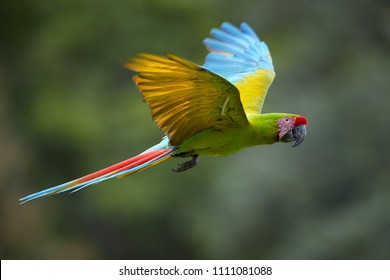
(124, 165)
(145, 160)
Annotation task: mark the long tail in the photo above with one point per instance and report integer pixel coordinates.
(148, 158)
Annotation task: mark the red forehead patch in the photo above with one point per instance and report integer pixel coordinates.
(300, 120)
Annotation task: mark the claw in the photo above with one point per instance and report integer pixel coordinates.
(187, 165)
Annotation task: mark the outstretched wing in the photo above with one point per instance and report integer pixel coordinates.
(238, 55)
(185, 98)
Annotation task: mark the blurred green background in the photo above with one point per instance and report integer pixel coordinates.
(68, 107)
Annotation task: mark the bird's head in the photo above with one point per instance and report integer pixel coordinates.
(292, 128)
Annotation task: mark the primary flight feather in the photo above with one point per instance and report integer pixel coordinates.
(213, 109)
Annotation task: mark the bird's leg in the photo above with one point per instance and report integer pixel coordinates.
(188, 164)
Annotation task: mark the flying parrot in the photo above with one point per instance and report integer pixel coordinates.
(213, 109)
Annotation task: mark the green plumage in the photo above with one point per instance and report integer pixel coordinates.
(261, 130)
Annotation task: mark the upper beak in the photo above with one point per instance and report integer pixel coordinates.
(297, 134)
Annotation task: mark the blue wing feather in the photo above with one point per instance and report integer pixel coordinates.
(222, 46)
(236, 52)
(228, 38)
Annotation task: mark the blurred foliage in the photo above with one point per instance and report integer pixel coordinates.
(68, 107)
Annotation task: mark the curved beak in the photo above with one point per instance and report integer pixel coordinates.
(297, 134)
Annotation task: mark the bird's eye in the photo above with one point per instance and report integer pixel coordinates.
(286, 119)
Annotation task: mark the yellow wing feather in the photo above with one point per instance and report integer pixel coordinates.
(253, 90)
(185, 98)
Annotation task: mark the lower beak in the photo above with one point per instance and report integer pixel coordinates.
(297, 134)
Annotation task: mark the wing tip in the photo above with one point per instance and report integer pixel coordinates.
(232, 43)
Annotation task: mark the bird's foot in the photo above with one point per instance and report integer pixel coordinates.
(187, 165)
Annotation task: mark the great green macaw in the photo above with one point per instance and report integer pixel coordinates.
(213, 109)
